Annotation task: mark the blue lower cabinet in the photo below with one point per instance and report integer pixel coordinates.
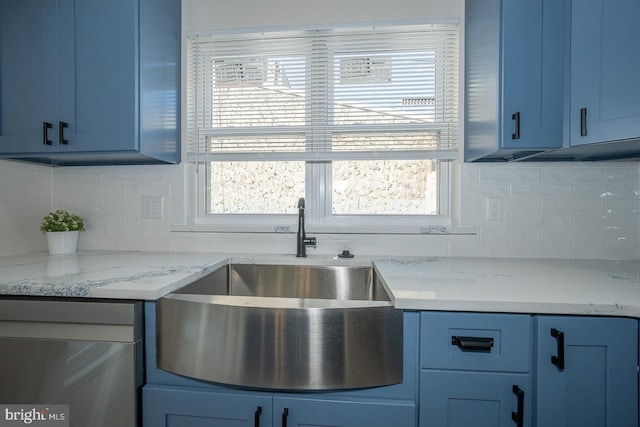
(172, 406)
(478, 399)
(587, 372)
(299, 412)
(188, 407)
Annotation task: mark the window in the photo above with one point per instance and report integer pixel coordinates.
(362, 122)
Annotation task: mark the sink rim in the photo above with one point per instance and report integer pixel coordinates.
(376, 282)
(278, 302)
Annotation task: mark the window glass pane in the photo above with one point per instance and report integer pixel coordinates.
(397, 86)
(255, 91)
(385, 187)
(254, 187)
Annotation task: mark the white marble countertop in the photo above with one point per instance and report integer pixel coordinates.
(589, 287)
(102, 274)
(453, 284)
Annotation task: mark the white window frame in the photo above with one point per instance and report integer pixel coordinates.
(319, 218)
(318, 210)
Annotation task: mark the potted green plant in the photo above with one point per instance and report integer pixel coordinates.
(62, 229)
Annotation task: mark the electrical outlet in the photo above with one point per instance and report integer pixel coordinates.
(152, 207)
(494, 209)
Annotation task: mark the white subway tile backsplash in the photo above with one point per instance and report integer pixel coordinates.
(540, 250)
(25, 197)
(467, 246)
(622, 175)
(496, 174)
(569, 205)
(122, 178)
(530, 206)
(541, 191)
(72, 177)
(573, 175)
(549, 210)
(605, 191)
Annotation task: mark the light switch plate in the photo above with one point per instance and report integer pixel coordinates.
(494, 209)
(152, 207)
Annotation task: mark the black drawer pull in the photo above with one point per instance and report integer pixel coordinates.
(61, 127)
(558, 360)
(285, 414)
(256, 418)
(516, 117)
(478, 344)
(583, 122)
(45, 134)
(518, 416)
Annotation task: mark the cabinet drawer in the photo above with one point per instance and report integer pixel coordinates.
(475, 341)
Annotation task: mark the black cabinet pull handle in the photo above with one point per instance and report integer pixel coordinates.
(583, 122)
(516, 117)
(558, 360)
(478, 344)
(61, 127)
(45, 134)
(285, 414)
(256, 419)
(518, 417)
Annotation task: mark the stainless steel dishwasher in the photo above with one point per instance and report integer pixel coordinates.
(83, 353)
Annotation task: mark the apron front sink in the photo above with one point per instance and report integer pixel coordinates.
(285, 327)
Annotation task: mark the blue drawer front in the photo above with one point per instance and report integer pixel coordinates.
(476, 342)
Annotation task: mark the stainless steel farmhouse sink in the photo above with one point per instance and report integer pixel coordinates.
(286, 327)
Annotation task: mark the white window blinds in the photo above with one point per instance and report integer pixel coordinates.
(359, 93)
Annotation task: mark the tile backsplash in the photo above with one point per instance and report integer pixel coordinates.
(25, 197)
(548, 210)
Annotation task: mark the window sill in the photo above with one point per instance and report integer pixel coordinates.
(292, 229)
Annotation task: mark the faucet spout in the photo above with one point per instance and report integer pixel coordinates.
(302, 241)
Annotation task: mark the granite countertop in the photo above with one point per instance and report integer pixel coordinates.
(591, 287)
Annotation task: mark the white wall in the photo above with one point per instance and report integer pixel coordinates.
(203, 15)
(581, 210)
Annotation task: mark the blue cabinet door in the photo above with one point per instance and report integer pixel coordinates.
(514, 72)
(587, 372)
(532, 73)
(68, 62)
(605, 65)
(98, 75)
(299, 412)
(184, 407)
(478, 399)
(28, 74)
(98, 80)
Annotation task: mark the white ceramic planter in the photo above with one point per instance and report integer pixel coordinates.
(62, 242)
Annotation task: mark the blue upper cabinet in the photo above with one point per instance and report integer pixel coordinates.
(605, 65)
(28, 73)
(94, 82)
(514, 56)
(587, 372)
(602, 97)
